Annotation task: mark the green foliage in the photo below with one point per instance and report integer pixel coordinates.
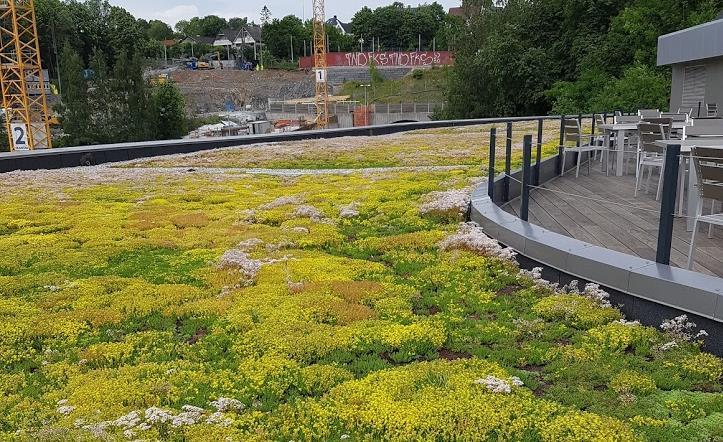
(158, 31)
(209, 26)
(277, 35)
(568, 56)
(116, 105)
(399, 27)
(168, 108)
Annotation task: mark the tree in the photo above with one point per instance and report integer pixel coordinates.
(168, 109)
(212, 25)
(265, 16)
(237, 22)
(278, 34)
(159, 31)
(531, 57)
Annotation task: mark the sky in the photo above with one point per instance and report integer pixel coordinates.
(171, 11)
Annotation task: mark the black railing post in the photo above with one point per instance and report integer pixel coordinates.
(508, 161)
(593, 122)
(526, 165)
(491, 168)
(560, 148)
(667, 205)
(538, 164)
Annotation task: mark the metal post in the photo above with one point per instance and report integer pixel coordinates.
(667, 205)
(526, 163)
(593, 123)
(508, 162)
(560, 148)
(491, 168)
(538, 164)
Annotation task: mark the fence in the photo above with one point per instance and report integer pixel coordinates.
(350, 106)
(531, 176)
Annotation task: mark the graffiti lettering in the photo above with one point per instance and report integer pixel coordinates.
(383, 59)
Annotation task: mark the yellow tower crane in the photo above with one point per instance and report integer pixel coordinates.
(21, 75)
(320, 67)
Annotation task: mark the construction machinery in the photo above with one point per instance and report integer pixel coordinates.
(23, 81)
(320, 66)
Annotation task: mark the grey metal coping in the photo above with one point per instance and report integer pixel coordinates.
(679, 289)
(107, 153)
(696, 43)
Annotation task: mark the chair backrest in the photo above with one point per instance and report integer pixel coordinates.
(709, 165)
(665, 123)
(599, 121)
(675, 117)
(649, 113)
(685, 110)
(627, 119)
(705, 127)
(572, 132)
(712, 109)
(648, 134)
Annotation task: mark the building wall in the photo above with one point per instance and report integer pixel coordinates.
(714, 83)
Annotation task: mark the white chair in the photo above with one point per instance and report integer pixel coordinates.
(649, 113)
(712, 110)
(686, 110)
(708, 162)
(650, 155)
(573, 135)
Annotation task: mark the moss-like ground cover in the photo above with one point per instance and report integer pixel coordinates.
(200, 304)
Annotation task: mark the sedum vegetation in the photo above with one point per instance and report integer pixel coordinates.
(196, 303)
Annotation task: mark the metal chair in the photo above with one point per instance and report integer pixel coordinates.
(650, 154)
(686, 110)
(649, 113)
(572, 133)
(708, 162)
(712, 110)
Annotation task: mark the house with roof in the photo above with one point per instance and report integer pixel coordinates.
(248, 35)
(344, 28)
(695, 56)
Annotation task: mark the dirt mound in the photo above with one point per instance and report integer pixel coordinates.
(209, 91)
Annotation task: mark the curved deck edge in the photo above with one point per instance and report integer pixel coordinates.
(643, 289)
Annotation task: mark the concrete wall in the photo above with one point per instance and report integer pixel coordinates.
(714, 83)
(346, 120)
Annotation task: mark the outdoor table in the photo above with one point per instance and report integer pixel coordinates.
(686, 147)
(621, 131)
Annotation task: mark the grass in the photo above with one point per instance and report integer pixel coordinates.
(421, 86)
(168, 302)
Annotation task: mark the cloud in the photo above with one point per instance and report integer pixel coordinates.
(178, 13)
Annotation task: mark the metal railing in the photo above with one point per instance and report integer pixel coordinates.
(530, 175)
(351, 106)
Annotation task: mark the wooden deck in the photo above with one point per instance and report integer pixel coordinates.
(595, 220)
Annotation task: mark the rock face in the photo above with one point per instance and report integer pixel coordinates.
(209, 91)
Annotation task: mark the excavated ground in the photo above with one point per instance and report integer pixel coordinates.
(208, 91)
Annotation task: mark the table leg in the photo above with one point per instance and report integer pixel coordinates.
(620, 147)
(693, 197)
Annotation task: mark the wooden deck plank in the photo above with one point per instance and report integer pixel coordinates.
(604, 211)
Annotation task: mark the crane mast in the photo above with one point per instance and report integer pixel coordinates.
(21, 74)
(320, 67)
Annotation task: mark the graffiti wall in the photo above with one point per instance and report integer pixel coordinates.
(383, 59)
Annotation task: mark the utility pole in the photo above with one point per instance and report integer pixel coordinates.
(366, 103)
(292, 47)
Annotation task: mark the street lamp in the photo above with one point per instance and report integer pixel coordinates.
(366, 103)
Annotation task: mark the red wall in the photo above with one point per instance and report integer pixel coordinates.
(383, 59)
